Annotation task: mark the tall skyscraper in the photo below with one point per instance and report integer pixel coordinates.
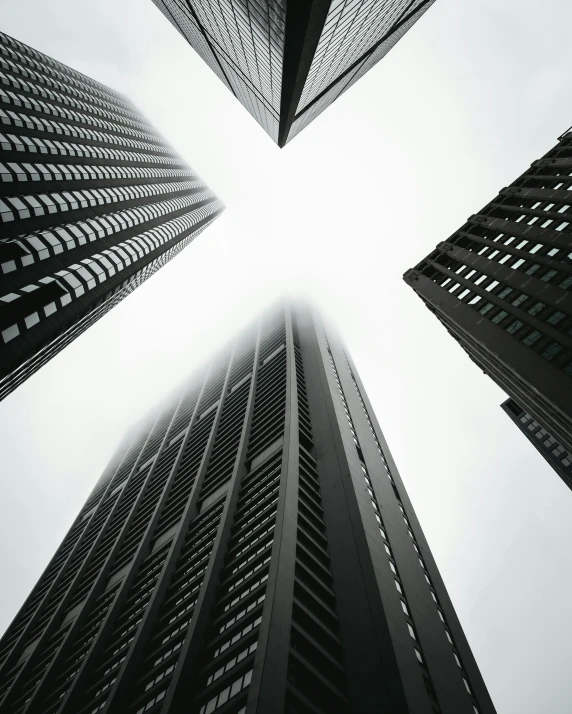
(557, 456)
(287, 60)
(502, 286)
(92, 202)
(250, 548)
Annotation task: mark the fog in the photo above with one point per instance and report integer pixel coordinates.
(473, 94)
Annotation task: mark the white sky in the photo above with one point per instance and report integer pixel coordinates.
(475, 92)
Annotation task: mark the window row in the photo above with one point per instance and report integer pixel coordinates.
(540, 342)
(44, 244)
(241, 613)
(438, 606)
(370, 423)
(56, 96)
(28, 57)
(37, 79)
(151, 702)
(34, 145)
(251, 587)
(12, 171)
(22, 207)
(22, 100)
(530, 246)
(30, 121)
(255, 553)
(78, 278)
(229, 664)
(379, 519)
(549, 442)
(227, 693)
(236, 637)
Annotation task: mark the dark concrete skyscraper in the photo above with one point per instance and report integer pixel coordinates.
(287, 60)
(92, 202)
(250, 548)
(502, 286)
(557, 456)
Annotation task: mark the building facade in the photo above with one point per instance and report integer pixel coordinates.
(502, 286)
(557, 456)
(287, 60)
(92, 202)
(250, 548)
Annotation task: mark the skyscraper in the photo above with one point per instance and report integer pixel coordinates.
(502, 286)
(557, 456)
(250, 548)
(287, 60)
(92, 202)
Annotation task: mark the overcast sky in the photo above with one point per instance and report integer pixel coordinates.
(475, 92)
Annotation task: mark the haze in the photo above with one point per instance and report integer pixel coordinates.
(474, 93)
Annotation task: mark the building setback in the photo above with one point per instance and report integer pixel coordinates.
(553, 452)
(502, 286)
(286, 61)
(250, 548)
(92, 203)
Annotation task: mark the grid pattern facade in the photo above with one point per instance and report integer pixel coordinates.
(243, 42)
(502, 285)
(92, 202)
(354, 71)
(557, 456)
(250, 548)
(351, 29)
(287, 61)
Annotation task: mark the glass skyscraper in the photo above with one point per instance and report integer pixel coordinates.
(92, 202)
(287, 60)
(502, 286)
(250, 548)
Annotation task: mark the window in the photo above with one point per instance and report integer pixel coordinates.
(536, 308)
(411, 631)
(514, 326)
(555, 318)
(404, 608)
(152, 702)
(499, 317)
(226, 694)
(531, 338)
(552, 350)
(10, 333)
